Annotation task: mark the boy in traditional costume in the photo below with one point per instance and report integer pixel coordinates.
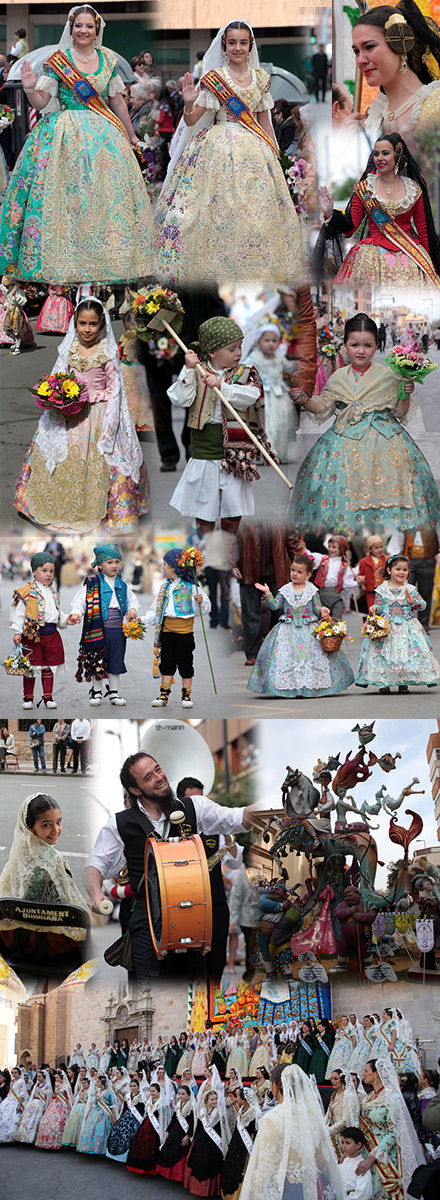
(35, 620)
(104, 600)
(172, 615)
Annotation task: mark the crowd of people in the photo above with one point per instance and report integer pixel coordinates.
(361, 1114)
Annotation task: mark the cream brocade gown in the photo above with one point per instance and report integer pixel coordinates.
(225, 211)
(83, 491)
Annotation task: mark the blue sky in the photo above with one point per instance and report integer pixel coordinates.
(300, 743)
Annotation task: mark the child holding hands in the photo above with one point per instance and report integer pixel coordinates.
(291, 661)
(105, 601)
(35, 620)
(172, 615)
(403, 656)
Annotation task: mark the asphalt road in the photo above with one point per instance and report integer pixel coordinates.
(19, 422)
(49, 1175)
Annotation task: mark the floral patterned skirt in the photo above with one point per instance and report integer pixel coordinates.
(291, 663)
(83, 492)
(76, 209)
(55, 315)
(368, 263)
(404, 657)
(226, 213)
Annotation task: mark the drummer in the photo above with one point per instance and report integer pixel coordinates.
(151, 801)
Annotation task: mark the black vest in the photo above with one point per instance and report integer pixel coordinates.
(134, 839)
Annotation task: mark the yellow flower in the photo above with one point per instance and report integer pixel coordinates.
(70, 389)
(151, 307)
(44, 389)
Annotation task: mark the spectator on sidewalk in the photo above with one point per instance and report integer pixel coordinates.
(80, 733)
(61, 736)
(36, 734)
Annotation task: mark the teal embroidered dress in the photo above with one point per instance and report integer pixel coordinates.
(291, 661)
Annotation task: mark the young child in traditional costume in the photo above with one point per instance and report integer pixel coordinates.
(371, 568)
(135, 377)
(291, 661)
(268, 355)
(366, 469)
(86, 470)
(334, 575)
(56, 311)
(217, 480)
(172, 615)
(16, 326)
(404, 656)
(35, 620)
(105, 601)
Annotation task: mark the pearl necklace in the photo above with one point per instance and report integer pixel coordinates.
(239, 78)
(392, 116)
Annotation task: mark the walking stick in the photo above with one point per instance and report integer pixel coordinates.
(160, 321)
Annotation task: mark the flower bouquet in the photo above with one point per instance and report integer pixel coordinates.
(18, 663)
(146, 303)
(7, 116)
(331, 634)
(134, 629)
(191, 560)
(409, 363)
(329, 343)
(376, 627)
(61, 392)
(299, 178)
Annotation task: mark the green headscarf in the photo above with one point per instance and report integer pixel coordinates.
(214, 334)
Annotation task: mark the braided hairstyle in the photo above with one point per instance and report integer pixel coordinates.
(85, 8)
(236, 25)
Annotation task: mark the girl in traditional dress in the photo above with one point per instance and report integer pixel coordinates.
(92, 1059)
(334, 574)
(87, 470)
(343, 1046)
(404, 656)
(343, 1108)
(398, 51)
(135, 378)
(261, 1055)
(292, 1157)
(56, 311)
(238, 1057)
(99, 1117)
(364, 1047)
(268, 355)
(390, 195)
(187, 1078)
(133, 1056)
(178, 1138)
(291, 661)
(371, 568)
(144, 1149)
(391, 1041)
(12, 1107)
(324, 1039)
(74, 1123)
(70, 215)
(200, 1060)
(15, 326)
(51, 1127)
(393, 1148)
(35, 870)
(40, 1098)
(209, 223)
(240, 1146)
(366, 469)
(213, 1083)
(205, 1160)
(262, 1085)
(127, 1124)
(121, 1087)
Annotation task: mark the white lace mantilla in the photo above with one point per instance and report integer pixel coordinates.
(379, 108)
(412, 193)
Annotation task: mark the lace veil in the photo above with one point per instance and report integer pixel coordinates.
(411, 1153)
(118, 444)
(65, 42)
(31, 859)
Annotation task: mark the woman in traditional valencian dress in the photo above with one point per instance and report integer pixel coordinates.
(292, 1156)
(12, 1107)
(399, 246)
(76, 209)
(365, 469)
(178, 1138)
(343, 1108)
(225, 211)
(206, 1157)
(56, 311)
(51, 1127)
(398, 51)
(394, 1151)
(240, 1146)
(74, 1123)
(150, 1136)
(40, 1098)
(99, 1117)
(122, 1134)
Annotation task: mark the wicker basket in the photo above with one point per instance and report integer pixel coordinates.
(17, 671)
(331, 643)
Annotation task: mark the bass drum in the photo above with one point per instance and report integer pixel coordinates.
(178, 895)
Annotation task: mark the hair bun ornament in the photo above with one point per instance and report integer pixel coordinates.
(399, 35)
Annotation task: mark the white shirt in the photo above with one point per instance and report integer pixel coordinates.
(240, 395)
(80, 729)
(78, 604)
(170, 611)
(334, 566)
(357, 1187)
(211, 818)
(51, 617)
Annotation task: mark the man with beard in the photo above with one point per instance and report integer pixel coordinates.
(151, 801)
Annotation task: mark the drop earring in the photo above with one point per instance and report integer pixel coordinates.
(404, 66)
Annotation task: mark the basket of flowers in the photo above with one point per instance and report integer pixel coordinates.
(19, 663)
(331, 634)
(60, 392)
(376, 627)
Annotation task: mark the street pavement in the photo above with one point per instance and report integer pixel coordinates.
(19, 418)
(49, 1175)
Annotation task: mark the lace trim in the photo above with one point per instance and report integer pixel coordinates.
(379, 106)
(412, 193)
(298, 599)
(254, 96)
(81, 362)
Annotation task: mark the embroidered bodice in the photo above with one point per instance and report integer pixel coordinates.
(95, 370)
(256, 96)
(297, 606)
(391, 602)
(105, 80)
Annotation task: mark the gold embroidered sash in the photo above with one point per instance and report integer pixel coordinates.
(82, 89)
(392, 230)
(236, 107)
